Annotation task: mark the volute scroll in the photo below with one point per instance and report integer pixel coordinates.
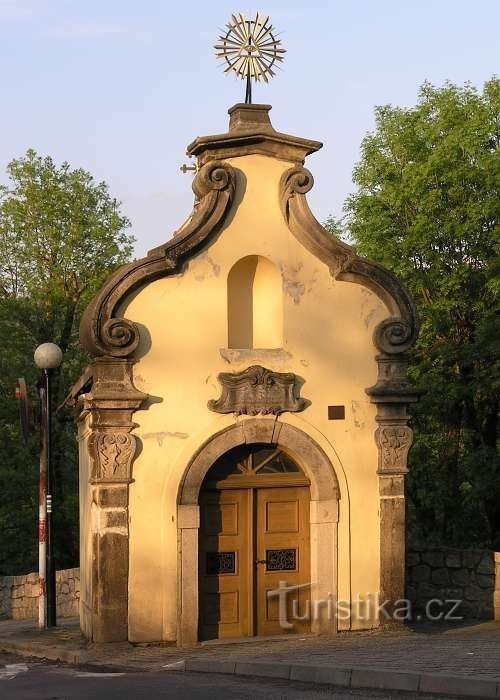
(103, 332)
(394, 335)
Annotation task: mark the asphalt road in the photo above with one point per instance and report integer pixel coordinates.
(27, 679)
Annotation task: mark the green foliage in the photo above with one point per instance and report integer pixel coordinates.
(61, 234)
(337, 228)
(426, 207)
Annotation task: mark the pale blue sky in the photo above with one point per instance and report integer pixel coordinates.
(120, 87)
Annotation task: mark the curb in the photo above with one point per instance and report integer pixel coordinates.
(355, 678)
(360, 677)
(44, 651)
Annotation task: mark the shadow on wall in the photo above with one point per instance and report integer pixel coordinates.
(254, 304)
(437, 577)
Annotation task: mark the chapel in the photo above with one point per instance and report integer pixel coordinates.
(242, 424)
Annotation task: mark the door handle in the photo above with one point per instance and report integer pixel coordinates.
(261, 561)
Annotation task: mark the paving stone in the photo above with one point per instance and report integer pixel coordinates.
(462, 651)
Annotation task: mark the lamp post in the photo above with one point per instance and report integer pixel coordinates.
(48, 357)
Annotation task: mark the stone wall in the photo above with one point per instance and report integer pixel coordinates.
(469, 575)
(19, 595)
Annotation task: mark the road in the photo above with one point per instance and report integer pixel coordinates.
(30, 679)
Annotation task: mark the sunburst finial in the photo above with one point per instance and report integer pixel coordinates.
(250, 49)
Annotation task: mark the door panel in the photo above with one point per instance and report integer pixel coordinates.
(251, 540)
(282, 554)
(281, 516)
(224, 571)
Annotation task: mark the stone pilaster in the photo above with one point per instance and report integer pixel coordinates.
(392, 394)
(106, 397)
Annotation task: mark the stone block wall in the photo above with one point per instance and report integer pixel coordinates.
(469, 575)
(19, 595)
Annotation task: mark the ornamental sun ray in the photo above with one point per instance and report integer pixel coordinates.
(250, 49)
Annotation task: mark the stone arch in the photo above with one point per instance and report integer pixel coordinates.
(306, 452)
(325, 495)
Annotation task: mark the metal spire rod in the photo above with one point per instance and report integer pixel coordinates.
(248, 94)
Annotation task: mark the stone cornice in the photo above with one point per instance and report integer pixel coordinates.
(251, 132)
(106, 386)
(106, 395)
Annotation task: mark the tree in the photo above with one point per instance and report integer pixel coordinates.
(426, 207)
(61, 235)
(336, 228)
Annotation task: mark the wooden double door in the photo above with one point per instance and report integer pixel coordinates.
(254, 534)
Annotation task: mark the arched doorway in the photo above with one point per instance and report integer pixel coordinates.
(323, 517)
(253, 540)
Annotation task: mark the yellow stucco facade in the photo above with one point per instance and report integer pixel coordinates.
(253, 293)
(327, 330)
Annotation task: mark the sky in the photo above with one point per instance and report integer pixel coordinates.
(120, 88)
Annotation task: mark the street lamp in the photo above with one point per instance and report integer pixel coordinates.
(48, 356)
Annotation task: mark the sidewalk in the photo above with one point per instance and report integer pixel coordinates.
(460, 661)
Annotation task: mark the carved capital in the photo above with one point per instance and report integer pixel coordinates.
(106, 397)
(392, 384)
(257, 390)
(112, 454)
(392, 394)
(394, 442)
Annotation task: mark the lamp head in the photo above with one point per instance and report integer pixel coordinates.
(48, 356)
